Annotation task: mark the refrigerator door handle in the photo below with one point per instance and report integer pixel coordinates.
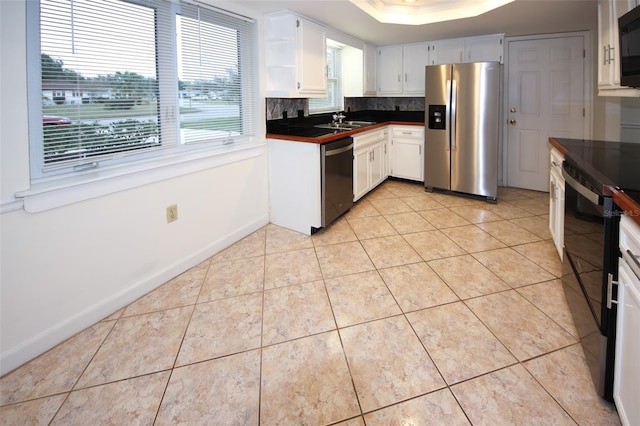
(452, 123)
(447, 118)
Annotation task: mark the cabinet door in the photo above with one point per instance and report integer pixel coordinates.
(414, 61)
(626, 382)
(447, 51)
(406, 159)
(369, 70)
(377, 164)
(312, 59)
(484, 48)
(360, 173)
(605, 40)
(389, 70)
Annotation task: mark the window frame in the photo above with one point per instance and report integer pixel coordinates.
(176, 153)
(335, 53)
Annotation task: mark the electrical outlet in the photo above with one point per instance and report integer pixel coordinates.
(172, 213)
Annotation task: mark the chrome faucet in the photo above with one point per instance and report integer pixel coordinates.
(338, 117)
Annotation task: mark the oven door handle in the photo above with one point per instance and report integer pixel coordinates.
(582, 190)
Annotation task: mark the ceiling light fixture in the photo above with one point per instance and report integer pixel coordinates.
(420, 12)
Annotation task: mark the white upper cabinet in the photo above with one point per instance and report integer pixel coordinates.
(295, 56)
(469, 49)
(446, 51)
(369, 77)
(401, 69)
(389, 73)
(609, 47)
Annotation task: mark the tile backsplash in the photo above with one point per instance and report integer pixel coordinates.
(277, 108)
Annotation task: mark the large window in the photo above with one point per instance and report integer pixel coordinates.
(123, 80)
(334, 101)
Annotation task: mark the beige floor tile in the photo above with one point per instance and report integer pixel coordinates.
(291, 267)
(57, 370)
(358, 421)
(388, 206)
(296, 311)
(461, 349)
(404, 189)
(509, 193)
(363, 208)
(433, 245)
(223, 391)
(306, 381)
(111, 403)
(406, 223)
(467, 277)
(183, 290)
(507, 210)
(380, 193)
(34, 412)
(338, 232)
(512, 267)
(549, 298)
(472, 239)
(233, 278)
(536, 206)
(521, 327)
(422, 202)
(390, 251)
(509, 397)
(138, 345)
(250, 246)
(535, 224)
(434, 409)
(452, 200)
(544, 254)
(381, 377)
(443, 218)
(476, 214)
(416, 286)
(280, 239)
(360, 297)
(565, 375)
(508, 233)
(371, 227)
(223, 327)
(343, 259)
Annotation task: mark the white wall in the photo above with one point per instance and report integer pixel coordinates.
(64, 268)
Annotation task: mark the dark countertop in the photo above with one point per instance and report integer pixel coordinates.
(303, 130)
(615, 164)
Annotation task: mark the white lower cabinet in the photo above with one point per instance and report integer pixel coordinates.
(556, 200)
(369, 156)
(407, 152)
(626, 381)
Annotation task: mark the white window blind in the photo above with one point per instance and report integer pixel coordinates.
(99, 70)
(112, 91)
(215, 76)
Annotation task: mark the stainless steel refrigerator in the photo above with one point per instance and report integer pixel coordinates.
(462, 110)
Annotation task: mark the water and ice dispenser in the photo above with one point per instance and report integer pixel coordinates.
(436, 116)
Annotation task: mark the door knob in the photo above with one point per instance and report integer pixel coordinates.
(512, 122)
(512, 110)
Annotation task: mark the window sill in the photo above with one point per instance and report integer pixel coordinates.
(58, 192)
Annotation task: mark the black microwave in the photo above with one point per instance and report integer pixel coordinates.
(629, 30)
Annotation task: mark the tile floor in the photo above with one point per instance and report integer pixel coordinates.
(413, 309)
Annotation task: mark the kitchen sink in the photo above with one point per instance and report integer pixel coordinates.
(347, 125)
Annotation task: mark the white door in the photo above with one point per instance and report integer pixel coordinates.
(545, 97)
(407, 159)
(360, 173)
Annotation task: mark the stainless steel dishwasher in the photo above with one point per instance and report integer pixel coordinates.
(336, 166)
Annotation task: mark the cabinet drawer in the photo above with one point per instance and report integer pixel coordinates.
(413, 132)
(367, 138)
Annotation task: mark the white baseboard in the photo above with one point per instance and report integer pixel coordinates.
(57, 333)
